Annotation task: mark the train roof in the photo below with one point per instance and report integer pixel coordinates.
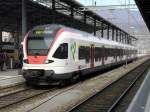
(99, 40)
(83, 34)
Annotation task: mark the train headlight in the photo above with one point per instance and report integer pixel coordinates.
(48, 61)
(26, 61)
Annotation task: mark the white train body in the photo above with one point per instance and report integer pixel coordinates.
(69, 52)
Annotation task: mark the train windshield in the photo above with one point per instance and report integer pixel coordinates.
(40, 39)
(39, 45)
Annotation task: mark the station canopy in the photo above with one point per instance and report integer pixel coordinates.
(144, 7)
(39, 12)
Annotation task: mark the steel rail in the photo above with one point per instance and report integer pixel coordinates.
(12, 90)
(13, 97)
(127, 90)
(90, 97)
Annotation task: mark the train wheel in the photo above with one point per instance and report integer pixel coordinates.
(28, 83)
(63, 83)
(75, 78)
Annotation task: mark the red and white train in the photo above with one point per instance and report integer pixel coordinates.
(55, 53)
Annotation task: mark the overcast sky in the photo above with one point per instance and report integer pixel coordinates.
(106, 2)
(120, 17)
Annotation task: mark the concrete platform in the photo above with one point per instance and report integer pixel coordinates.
(9, 78)
(68, 99)
(141, 101)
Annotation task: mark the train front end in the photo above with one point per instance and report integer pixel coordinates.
(38, 64)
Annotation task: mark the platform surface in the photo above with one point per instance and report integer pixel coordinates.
(141, 101)
(9, 78)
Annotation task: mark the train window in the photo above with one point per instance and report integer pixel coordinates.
(61, 52)
(105, 53)
(38, 45)
(125, 52)
(109, 52)
(112, 52)
(118, 52)
(88, 54)
(98, 54)
(84, 53)
(121, 52)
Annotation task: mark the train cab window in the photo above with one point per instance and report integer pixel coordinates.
(61, 52)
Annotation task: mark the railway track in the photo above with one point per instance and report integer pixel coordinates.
(7, 81)
(23, 93)
(12, 89)
(110, 97)
(13, 97)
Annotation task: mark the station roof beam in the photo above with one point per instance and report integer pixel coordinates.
(144, 7)
(67, 12)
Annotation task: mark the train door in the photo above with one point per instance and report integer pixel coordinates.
(92, 56)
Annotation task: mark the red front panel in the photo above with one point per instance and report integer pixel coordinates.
(36, 59)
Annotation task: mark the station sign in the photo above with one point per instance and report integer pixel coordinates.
(8, 46)
(42, 32)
